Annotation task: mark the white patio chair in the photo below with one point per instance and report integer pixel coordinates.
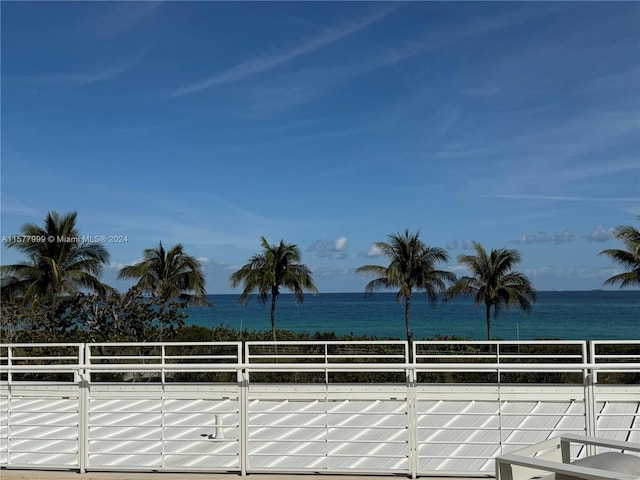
(551, 460)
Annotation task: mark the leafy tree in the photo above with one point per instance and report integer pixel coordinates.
(58, 263)
(629, 258)
(412, 266)
(126, 317)
(276, 266)
(167, 275)
(40, 322)
(493, 282)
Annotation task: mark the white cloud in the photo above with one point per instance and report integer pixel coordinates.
(340, 244)
(117, 266)
(374, 251)
(600, 234)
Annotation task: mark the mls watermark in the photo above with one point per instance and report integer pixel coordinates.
(65, 239)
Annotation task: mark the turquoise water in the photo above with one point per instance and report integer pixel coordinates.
(593, 315)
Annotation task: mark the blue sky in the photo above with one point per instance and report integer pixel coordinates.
(329, 125)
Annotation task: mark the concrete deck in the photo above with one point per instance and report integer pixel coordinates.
(9, 474)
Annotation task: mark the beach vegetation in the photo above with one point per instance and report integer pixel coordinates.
(274, 267)
(131, 316)
(116, 317)
(629, 258)
(493, 282)
(412, 267)
(54, 267)
(168, 275)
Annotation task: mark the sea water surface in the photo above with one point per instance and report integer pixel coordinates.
(566, 315)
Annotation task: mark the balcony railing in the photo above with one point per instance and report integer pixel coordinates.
(333, 407)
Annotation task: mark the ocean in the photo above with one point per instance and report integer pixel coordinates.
(565, 315)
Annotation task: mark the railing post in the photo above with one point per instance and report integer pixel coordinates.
(590, 405)
(412, 414)
(9, 401)
(83, 423)
(243, 419)
(83, 408)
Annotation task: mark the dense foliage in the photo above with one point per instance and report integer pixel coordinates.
(116, 317)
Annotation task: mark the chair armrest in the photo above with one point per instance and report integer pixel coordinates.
(505, 472)
(600, 442)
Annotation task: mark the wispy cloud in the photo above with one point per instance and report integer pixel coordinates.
(564, 198)
(120, 17)
(266, 63)
(11, 206)
(456, 245)
(77, 78)
(546, 237)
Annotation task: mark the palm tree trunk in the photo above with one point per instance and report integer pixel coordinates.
(488, 307)
(273, 317)
(163, 304)
(407, 306)
(273, 324)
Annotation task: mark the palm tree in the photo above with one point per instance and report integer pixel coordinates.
(58, 262)
(629, 258)
(276, 266)
(493, 282)
(168, 275)
(412, 267)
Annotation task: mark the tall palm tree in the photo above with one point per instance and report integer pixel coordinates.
(58, 262)
(493, 282)
(412, 266)
(276, 266)
(629, 258)
(168, 274)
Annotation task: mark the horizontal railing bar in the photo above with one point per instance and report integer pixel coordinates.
(50, 345)
(173, 440)
(50, 357)
(152, 344)
(323, 455)
(493, 414)
(198, 356)
(532, 367)
(285, 356)
(156, 357)
(324, 441)
(496, 429)
(326, 342)
(471, 354)
(335, 427)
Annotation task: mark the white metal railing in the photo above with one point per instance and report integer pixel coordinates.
(307, 406)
